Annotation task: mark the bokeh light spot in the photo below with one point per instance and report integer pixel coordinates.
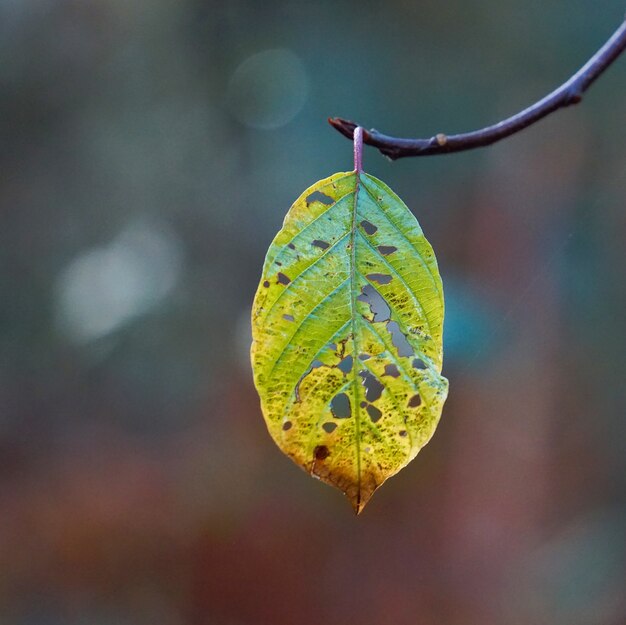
(105, 287)
(268, 89)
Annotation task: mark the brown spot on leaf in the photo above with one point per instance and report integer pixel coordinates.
(369, 227)
(342, 346)
(380, 278)
(385, 250)
(266, 283)
(282, 278)
(324, 245)
(287, 425)
(291, 246)
(415, 401)
(321, 452)
(403, 433)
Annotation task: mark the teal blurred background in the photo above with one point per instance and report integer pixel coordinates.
(148, 153)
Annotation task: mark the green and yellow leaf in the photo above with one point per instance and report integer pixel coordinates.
(347, 335)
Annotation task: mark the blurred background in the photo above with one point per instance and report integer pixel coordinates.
(148, 153)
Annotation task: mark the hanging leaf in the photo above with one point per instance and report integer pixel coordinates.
(347, 335)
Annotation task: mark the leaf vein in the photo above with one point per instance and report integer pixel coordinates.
(404, 236)
(304, 320)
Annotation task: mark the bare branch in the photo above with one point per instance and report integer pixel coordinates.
(569, 93)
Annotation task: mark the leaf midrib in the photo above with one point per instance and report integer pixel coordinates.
(355, 346)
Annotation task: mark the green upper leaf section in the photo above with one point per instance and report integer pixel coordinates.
(347, 335)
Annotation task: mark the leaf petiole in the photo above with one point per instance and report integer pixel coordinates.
(358, 149)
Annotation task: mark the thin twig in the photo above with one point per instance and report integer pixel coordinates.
(569, 93)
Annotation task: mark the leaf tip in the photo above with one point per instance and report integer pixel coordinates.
(359, 499)
(358, 507)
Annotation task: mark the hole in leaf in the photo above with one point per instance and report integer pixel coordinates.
(288, 317)
(279, 263)
(415, 401)
(321, 452)
(369, 227)
(377, 304)
(380, 278)
(314, 365)
(418, 363)
(374, 413)
(392, 370)
(340, 406)
(321, 244)
(266, 283)
(364, 356)
(373, 388)
(291, 246)
(329, 427)
(399, 339)
(385, 250)
(345, 366)
(282, 278)
(287, 425)
(318, 196)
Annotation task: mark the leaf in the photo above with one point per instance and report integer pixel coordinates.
(347, 335)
